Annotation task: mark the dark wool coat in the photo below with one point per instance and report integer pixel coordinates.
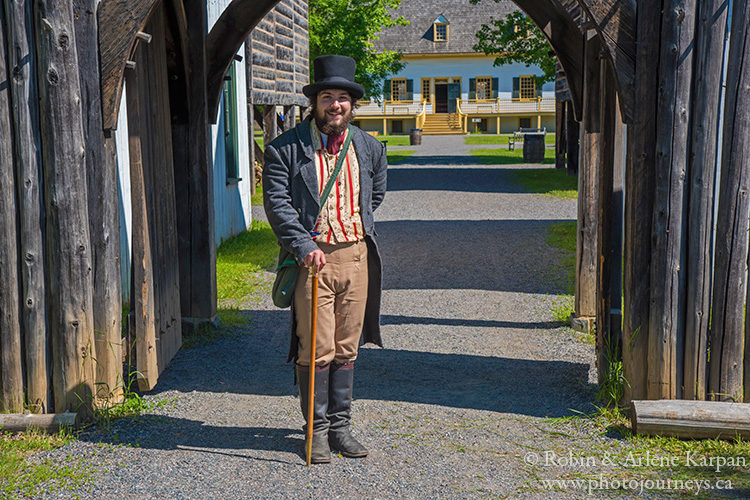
(292, 204)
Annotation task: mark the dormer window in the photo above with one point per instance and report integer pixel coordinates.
(440, 29)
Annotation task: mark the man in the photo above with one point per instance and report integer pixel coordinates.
(338, 239)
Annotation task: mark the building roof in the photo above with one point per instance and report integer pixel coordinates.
(464, 20)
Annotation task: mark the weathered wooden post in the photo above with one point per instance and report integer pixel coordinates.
(559, 135)
(104, 222)
(588, 187)
(608, 258)
(250, 108)
(572, 137)
(667, 314)
(142, 300)
(639, 202)
(709, 56)
(290, 115)
(11, 376)
(270, 124)
(726, 338)
(19, 21)
(69, 265)
(202, 291)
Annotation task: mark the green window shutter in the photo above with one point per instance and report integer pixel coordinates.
(409, 90)
(472, 88)
(231, 159)
(538, 89)
(387, 89)
(495, 85)
(516, 87)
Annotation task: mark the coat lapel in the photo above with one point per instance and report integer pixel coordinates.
(360, 149)
(308, 169)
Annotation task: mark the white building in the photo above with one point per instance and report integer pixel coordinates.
(447, 87)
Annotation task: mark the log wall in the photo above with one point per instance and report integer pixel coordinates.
(279, 65)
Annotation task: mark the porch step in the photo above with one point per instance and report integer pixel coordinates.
(442, 124)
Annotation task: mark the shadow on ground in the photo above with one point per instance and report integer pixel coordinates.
(255, 364)
(469, 180)
(172, 433)
(498, 255)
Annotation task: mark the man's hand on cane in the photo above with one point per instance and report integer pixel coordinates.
(316, 257)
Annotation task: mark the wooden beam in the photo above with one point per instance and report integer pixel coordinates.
(639, 202)
(11, 374)
(51, 423)
(119, 22)
(691, 419)
(69, 259)
(104, 210)
(554, 19)
(669, 232)
(224, 40)
(709, 54)
(615, 22)
(588, 185)
(726, 366)
(26, 142)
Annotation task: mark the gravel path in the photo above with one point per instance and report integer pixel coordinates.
(472, 368)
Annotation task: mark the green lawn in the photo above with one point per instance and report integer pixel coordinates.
(21, 478)
(396, 157)
(257, 198)
(238, 258)
(548, 181)
(501, 139)
(501, 156)
(394, 140)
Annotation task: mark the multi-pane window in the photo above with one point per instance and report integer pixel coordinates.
(398, 89)
(231, 142)
(484, 87)
(441, 32)
(527, 87)
(426, 90)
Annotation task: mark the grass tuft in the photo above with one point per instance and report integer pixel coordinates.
(240, 257)
(500, 156)
(501, 139)
(396, 157)
(21, 477)
(562, 235)
(547, 181)
(395, 140)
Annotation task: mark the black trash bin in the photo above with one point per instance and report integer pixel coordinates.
(415, 137)
(533, 148)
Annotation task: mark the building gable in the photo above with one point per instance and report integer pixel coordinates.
(418, 37)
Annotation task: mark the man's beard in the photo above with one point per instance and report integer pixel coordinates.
(321, 120)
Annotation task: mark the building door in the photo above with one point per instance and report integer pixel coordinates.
(441, 97)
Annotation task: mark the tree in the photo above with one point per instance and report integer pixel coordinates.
(517, 39)
(348, 27)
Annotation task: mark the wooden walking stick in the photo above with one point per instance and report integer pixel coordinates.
(311, 388)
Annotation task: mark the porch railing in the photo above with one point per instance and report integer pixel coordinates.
(466, 107)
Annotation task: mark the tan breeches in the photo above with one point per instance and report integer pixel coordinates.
(342, 297)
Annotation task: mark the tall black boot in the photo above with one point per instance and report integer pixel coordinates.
(321, 453)
(339, 412)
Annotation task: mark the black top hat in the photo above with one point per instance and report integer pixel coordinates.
(334, 72)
